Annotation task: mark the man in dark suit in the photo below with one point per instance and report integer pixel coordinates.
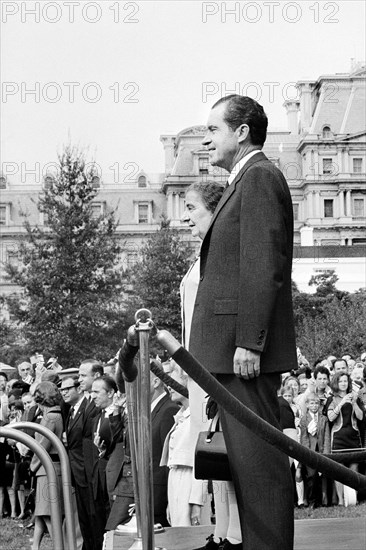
(70, 390)
(89, 370)
(162, 419)
(242, 327)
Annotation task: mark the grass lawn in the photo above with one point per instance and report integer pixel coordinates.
(13, 536)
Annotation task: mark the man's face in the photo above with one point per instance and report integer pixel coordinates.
(27, 402)
(24, 370)
(321, 381)
(86, 377)
(313, 405)
(2, 383)
(69, 392)
(221, 141)
(102, 398)
(340, 366)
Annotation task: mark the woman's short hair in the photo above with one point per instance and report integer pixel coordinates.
(334, 383)
(47, 394)
(209, 191)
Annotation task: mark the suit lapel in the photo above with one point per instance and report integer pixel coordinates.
(158, 406)
(71, 422)
(230, 190)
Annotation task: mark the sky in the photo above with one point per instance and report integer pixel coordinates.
(112, 77)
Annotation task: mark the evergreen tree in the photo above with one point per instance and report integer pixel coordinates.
(156, 277)
(70, 306)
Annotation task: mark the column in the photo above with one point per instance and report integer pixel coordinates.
(317, 204)
(176, 206)
(340, 162)
(348, 204)
(341, 203)
(170, 206)
(309, 205)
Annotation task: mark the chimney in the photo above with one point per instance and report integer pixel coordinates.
(292, 109)
(168, 142)
(305, 88)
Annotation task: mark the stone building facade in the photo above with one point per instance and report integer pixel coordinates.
(321, 153)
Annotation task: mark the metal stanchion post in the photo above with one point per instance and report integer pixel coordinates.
(65, 475)
(143, 327)
(44, 457)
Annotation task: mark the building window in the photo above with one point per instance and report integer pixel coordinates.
(296, 211)
(327, 166)
(143, 213)
(2, 215)
(141, 182)
(203, 165)
(97, 210)
(328, 208)
(327, 133)
(357, 165)
(358, 208)
(2, 182)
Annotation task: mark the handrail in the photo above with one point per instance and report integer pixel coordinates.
(46, 461)
(65, 475)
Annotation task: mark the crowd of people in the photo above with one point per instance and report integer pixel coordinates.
(322, 407)
(237, 320)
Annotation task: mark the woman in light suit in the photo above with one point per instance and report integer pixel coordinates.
(201, 201)
(48, 398)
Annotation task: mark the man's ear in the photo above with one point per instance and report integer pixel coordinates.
(242, 132)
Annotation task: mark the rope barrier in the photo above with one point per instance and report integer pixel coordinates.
(250, 420)
(168, 380)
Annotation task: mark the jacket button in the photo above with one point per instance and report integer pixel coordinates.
(259, 343)
(261, 337)
(263, 332)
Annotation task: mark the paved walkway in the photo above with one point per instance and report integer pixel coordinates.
(310, 534)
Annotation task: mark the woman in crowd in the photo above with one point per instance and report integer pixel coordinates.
(48, 398)
(202, 199)
(184, 491)
(345, 412)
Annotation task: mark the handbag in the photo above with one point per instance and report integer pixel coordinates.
(211, 461)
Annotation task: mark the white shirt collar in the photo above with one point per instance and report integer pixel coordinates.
(239, 165)
(109, 410)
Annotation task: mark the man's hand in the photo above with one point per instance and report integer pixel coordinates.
(247, 363)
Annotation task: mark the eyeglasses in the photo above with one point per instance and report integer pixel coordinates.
(67, 388)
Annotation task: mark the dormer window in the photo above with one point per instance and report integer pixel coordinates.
(141, 182)
(327, 132)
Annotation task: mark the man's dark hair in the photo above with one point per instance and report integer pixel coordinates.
(4, 375)
(245, 110)
(322, 370)
(96, 366)
(340, 361)
(109, 382)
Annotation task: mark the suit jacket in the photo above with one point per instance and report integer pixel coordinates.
(74, 434)
(321, 440)
(162, 420)
(244, 296)
(88, 436)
